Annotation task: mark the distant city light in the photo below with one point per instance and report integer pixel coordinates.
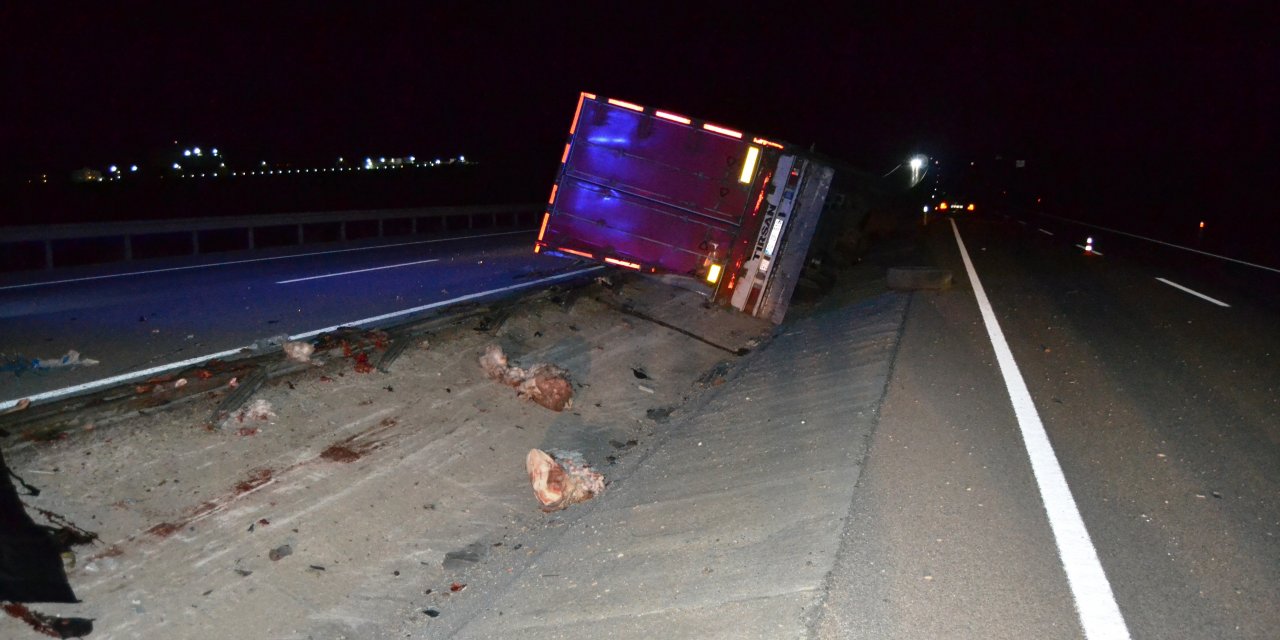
(196, 151)
(186, 152)
(411, 159)
(114, 169)
(177, 166)
(462, 158)
(215, 151)
(133, 167)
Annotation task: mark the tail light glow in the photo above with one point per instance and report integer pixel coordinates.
(766, 143)
(552, 200)
(565, 157)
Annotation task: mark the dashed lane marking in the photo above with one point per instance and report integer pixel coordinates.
(1194, 293)
(347, 273)
(144, 373)
(249, 260)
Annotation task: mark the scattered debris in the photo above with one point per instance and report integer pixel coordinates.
(179, 383)
(639, 374)
(545, 384)
(18, 364)
(298, 351)
(270, 343)
(259, 410)
(20, 405)
(644, 388)
(431, 613)
(48, 625)
(362, 363)
(456, 587)
(561, 478)
(462, 558)
(243, 573)
(243, 390)
(279, 552)
(659, 414)
(394, 350)
(715, 376)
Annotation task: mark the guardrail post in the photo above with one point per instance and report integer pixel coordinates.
(48, 254)
(128, 247)
(300, 242)
(250, 238)
(342, 231)
(379, 227)
(195, 243)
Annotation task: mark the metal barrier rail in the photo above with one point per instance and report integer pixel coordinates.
(52, 246)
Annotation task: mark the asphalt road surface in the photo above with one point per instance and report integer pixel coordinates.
(139, 316)
(1162, 408)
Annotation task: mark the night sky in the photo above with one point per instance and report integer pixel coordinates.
(1173, 99)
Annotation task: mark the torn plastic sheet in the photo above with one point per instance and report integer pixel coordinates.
(18, 364)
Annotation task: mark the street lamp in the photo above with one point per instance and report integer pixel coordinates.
(916, 164)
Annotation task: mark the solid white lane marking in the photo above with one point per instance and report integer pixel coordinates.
(231, 262)
(134, 375)
(1194, 293)
(1095, 604)
(1167, 244)
(346, 273)
(1093, 251)
(1046, 232)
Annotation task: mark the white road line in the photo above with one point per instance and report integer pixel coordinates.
(231, 262)
(1093, 251)
(346, 273)
(134, 375)
(1167, 244)
(1046, 232)
(1194, 293)
(1096, 606)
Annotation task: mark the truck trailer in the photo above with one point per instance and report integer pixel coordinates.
(658, 192)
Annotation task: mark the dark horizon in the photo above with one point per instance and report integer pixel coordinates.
(1116, 107)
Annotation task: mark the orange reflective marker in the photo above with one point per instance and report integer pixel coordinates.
(623, 263)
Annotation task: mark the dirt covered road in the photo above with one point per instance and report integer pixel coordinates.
(355, 502)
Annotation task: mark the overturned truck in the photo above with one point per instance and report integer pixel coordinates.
(662, 193)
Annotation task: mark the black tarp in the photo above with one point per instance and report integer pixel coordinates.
(30, 558)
